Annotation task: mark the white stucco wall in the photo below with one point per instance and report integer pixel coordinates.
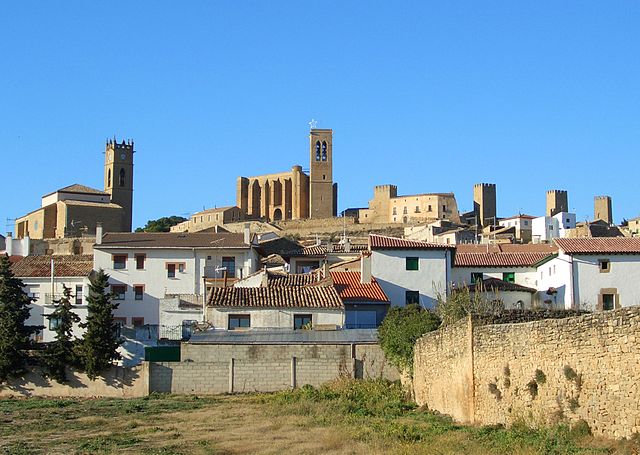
(42, 306)
(555, 273)
(511, 299)
(275, 317)
(432, 276)
(524, 276)
(154, 276)
(624, 275)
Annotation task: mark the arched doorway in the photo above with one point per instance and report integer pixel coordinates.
(277, 215)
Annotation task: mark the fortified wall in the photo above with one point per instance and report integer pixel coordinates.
(542, 372)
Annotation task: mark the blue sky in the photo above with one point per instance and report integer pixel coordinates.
(430, 96)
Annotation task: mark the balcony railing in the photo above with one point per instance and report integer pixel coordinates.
(50, 298)
(153, 332)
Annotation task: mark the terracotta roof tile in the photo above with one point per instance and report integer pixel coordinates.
(77, 188)
(276, 297)
(496, 284)
(350, 289)
(321, 250)
(506, 248)
(597, 245)
(290, 279)
(499, 259)
(172, 240)
(382, 242)
(64, 266)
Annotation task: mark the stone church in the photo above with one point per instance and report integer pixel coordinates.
(74, 211)
(294, 194)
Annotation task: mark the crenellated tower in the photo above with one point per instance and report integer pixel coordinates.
(118, 177)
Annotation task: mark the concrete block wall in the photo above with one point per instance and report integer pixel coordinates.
(580, 368)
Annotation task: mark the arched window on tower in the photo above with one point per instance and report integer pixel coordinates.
(317, 150)
(108, 178)
(324, 150)
(121, 177)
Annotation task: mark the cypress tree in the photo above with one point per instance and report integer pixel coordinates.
(99, 346)
(14, 312)
(62, 352)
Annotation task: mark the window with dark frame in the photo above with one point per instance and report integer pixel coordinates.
(509, 277)
(412, 297)
(608, 302)
(119, 262)
(604, 265)
(78, 294)
(171, 270)
(54, 323)
(137, 322)
(239, 321)
(229, 262)
(140, 261)
(412, 263)
(138, 291)
(301, 321)
(118, 291)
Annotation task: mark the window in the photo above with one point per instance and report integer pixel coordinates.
(140, 261)
(417, 209)
(301, 321)
(526, 223)
(411, 297)
(429, 209)
(171, 270)
(78, 294)
(239, 321)
(476, 277)
(317, 150)
(121, 182)
(138, 289)
(509, 277)
(404, 211)
(444, 208)
(119, 262)
(34, 295)
(54, 323)
(118, 291)
(108, 178)
(230, 263)
(324, 151)
(412, 263)
(395, 212)
(608, 302)
(137, 322)
(604, 265)
(181, 268)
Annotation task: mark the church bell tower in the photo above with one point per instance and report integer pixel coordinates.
(322, 191)
(118, 177)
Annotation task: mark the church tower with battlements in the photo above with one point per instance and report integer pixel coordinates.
(118, 177)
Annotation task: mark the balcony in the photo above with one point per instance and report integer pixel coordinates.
(50, 298)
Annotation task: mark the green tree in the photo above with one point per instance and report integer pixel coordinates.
(161, 224)
(14, 312)
(61, 353)
(401, 329)
(99, 346)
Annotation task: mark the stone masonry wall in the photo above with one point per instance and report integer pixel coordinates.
(215, 369)
(580, 368)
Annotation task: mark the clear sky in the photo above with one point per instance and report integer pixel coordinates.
(430, 96)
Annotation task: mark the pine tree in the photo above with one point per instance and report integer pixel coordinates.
(99, 346)
(14, 312)
(61, 353)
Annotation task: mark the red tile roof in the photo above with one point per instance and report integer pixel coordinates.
(290, 279)
(321, 250)
(506, 248)
(350, 289)
(276, 297)
(382, 242)
(496, 284)
(599, 245)
(64, 266)
(524, 259)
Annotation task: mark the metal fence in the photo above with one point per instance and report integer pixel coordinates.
(151, 332)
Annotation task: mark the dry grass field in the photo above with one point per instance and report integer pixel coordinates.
(369, 417)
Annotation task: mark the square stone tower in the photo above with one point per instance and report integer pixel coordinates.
(557, 201)
(322, 191)
(602, 209)
(118, 177)
(484, 203)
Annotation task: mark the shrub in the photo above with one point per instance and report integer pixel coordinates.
(540, 377)
(460, 303)
(532, 387)
(401, 329)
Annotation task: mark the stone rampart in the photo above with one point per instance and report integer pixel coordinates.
(542, 372)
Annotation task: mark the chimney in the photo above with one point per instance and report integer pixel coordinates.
(98, 233)
(247, 234)
(9, 244)
(26, 246)
(365, 268)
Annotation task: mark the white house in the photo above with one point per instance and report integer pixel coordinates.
(523, 225)
(45, 287)
(147, 267)
(547, 228)
(594, 273)
(410, 271)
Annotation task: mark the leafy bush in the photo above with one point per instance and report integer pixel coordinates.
(460, 303)
(401, 329)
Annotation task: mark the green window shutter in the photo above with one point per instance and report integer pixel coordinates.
(509, 277)
(412, 263)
